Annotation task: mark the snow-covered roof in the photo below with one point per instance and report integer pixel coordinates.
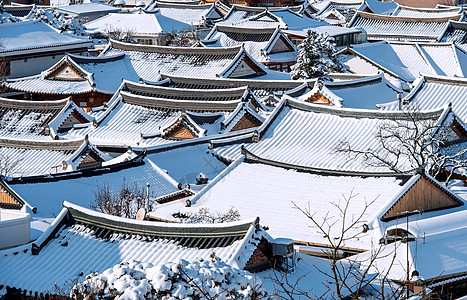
(382, 8)
(102, 74)
(305, 134)
(259, 17)
(149, 61)
(407, 60)
(29, 120)
(407, 11)
(187, 13)
(381, 27)
(456, 33)
(436, 253)
(260, 191)
(31, 36)
(339, 12)
(349, 93)
(47, 194)
(432, 92)
(88, 8)
(38, 157)
(18, 10)
(140, 24)
(149, 115)
(79, 239)
(263, 44)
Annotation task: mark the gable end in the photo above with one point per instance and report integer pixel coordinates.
(423, 196)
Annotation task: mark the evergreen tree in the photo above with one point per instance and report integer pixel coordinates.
(316, 57)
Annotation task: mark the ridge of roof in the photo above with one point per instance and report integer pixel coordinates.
(248, 30)
(360, 113)
(408, 19)
(80, 59)
(250, 157)
(88, 216)
(33, 105)
(250, 82)
(195, 105)
(180, 92)
(182, 6)
(53, 145)
(189, 51)
(427, 9)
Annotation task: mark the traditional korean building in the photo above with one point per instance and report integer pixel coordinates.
(87, 11)
(260, 88)
(292, 22)
(68, 251)
(347, 93)
(266, 45)
(456, 33)
(294, 126)
(230, 62)
(89, 81)
(407, 11)
(424, 96)
(147, 115)
(30, 47)
(381, 199)
(142, 28)
(199, 16)
(406, 60)
(402, 28)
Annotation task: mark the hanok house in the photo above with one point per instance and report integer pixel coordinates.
(406, 60)
(68, 252)
(263, 89)
(340, 13)
(29, 47)
(413, 29)
(199, 16)
(293, 131)
(148, 61)
(89, 81)
(456, 33)
(432, 247)
(430, 3)
(347, 93)
(266, 45)
(39, 120)
(87, 11)
(281, 159)
(47, 158)
(143, 28)
(424, 96)
(143, 115)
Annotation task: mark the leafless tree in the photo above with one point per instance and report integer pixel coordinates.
(8, 164)
(124, 201)
(119, 34)
(178, 39)
(412, 143)
(203, 215)
(347, 277)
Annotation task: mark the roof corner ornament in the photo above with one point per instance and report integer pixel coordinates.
(255, 137)
(94, 123)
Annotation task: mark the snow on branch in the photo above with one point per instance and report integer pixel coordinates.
(198, 279)
(316, 57)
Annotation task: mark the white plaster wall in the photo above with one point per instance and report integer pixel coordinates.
(15, 228)
(32, 66)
